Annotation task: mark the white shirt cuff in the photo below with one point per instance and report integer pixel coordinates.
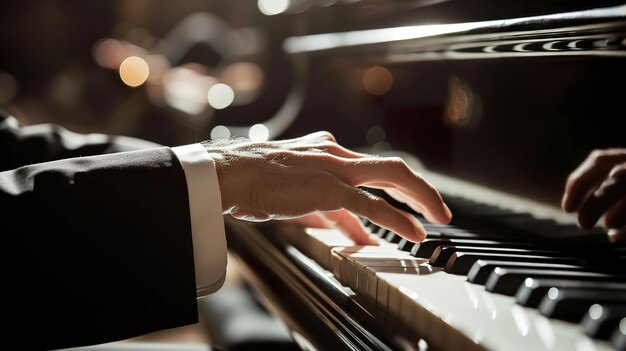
(207, 221)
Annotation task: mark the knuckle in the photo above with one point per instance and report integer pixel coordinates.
(618, 172)
(596, 154)
(330, 147)
(327, 135)
(279, 155)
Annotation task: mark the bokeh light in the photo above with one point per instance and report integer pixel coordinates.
(273, 7)
(243, 77)
(220, 96)
(134, 71)
(259, 132)
(109, 53)
(220, 132)
(186, 89)
(377, 80)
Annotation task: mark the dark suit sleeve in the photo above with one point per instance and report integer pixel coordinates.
(95, 249)
(23, 145)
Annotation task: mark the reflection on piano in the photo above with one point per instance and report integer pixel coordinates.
(496, 103)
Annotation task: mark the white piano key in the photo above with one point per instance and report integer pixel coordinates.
(445, 309)
(489, 320)
(343, 258)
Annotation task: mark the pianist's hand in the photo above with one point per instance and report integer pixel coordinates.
(597, 188)
(314, 180)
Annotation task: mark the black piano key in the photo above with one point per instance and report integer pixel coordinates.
(426, 248)
(507, 281)
(442, 254)
(380, 232)
(366, 222)
(480, 271)
(571, 304)
(461, 262)
(618, 338)
(393, 237)
(601, 319)
(461, 234)
(532, 292)
(405, 245)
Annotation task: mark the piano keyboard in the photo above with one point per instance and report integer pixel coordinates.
(520, 286)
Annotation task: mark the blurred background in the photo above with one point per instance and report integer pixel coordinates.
(176, 72)
(172, 72)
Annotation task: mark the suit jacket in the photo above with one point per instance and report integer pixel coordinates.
(95, 248)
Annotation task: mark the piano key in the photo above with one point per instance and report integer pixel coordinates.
(342, 259)
(367, 282)
(359, 270)
(405, 245)
(444, 306)
(380, 232)
(618, 338)
(602, 319)
(439, 305)
(442, 254)
(460, 234)
(508, 280)
(461, 262)
(480, 271)
(532, 292)
(426, 248)
(392, 237)
(571, 304)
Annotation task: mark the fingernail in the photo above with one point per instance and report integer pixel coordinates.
(373, 241)
(448, 212)
(564, 202)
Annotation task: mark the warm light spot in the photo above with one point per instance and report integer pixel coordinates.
(259, 132)
(109, 53)
(220, 132)
(462, 106)
(377, 80)
(273, 7)
(243, 77)
(220, 96)
(134, 71)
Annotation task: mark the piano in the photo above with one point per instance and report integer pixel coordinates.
(495, 103)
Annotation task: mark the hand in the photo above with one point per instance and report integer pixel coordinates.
(597, 188)
(314, 177)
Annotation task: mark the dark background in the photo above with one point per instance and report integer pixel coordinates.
(531, 120)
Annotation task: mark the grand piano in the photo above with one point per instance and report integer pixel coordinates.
(495, 103)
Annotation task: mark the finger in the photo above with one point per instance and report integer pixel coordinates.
(397, 195)
(378, 211)
(615, 217)
(606, 196)
(617, 235)
(395, 174)
(316, 137)
(351, 226)
(588, 175)
(331, 148)
(313, 220)
(385, 172)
